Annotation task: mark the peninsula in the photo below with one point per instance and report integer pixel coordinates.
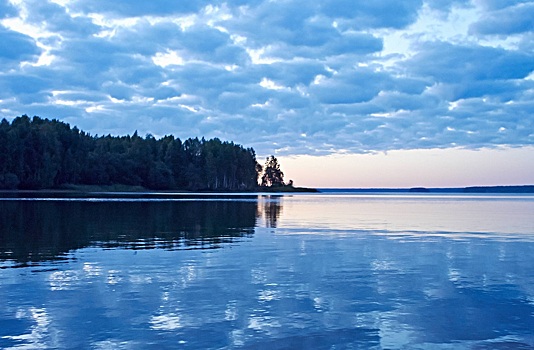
(37, 154)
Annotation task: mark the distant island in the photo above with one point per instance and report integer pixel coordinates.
(37, 153)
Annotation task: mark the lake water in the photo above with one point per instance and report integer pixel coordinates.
(306, 271)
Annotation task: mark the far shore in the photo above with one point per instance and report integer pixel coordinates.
(88, 190)
(471, 189)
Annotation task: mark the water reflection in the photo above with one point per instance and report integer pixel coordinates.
(306, 279)
(32, 231)
(271, 210)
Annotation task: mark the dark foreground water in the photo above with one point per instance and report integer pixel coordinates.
(260, 272)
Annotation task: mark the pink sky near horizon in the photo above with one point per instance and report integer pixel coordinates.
(413, 168)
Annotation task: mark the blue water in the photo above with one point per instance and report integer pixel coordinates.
(324, 271)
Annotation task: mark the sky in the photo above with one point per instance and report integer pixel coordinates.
(381, 93)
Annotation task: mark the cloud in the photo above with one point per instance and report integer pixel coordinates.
(354, 86)
(284, 77)
(460, 72)
(125, 8)
(446, 5)
(505, 21)
(6, 9)
(16, 47)
(457, 63)
(55, 18)
(373, 14)
(490, 5)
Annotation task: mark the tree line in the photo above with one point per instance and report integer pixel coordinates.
(37, 153)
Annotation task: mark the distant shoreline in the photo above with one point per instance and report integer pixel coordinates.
(471, 189)
(124, 190)
(121, 190)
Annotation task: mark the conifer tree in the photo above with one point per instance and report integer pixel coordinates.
(272, 175)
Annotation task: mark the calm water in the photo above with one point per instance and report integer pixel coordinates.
(261, 272)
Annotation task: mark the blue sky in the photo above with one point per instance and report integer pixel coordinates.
(304, 80)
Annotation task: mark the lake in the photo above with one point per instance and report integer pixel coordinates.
(258, 271)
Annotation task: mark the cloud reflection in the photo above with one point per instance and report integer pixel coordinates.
(40, 335)
(351, 288)
(167, 322)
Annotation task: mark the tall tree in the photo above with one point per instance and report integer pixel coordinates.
(272, 175)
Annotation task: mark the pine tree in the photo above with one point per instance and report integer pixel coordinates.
(272, 175)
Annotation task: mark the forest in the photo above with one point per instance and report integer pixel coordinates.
(38, 153)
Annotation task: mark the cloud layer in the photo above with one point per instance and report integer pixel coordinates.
(285, 77)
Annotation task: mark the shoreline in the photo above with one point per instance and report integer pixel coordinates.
(128, 191)
(122, 190)
(469, 189)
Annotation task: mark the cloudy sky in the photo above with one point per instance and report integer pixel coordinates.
(354, 89)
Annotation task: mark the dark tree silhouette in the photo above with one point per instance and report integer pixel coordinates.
(272, 175)
(41, 153)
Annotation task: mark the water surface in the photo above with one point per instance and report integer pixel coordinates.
(325, 271)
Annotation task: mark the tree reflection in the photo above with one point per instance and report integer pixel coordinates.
(32, 231)
(272, 209)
